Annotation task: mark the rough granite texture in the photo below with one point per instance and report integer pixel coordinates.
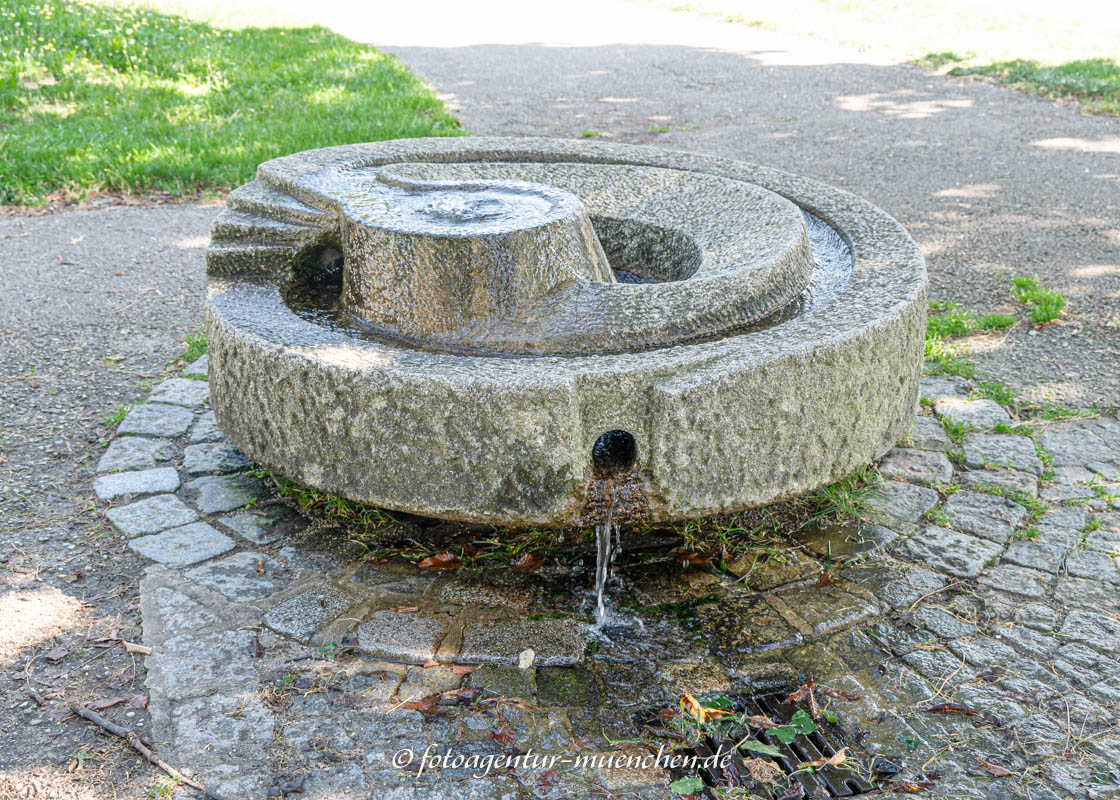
(508, 440)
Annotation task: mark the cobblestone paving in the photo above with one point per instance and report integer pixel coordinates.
(989, 578)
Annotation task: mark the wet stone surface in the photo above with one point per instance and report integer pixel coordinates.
(277, 657)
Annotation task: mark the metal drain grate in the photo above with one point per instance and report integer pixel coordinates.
(822, 743)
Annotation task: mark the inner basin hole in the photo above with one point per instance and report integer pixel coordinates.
(614, 451)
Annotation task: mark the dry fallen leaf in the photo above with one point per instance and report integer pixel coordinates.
(839, 695)
(952, 708)
(138, 701)
(441, 561)
(431, 662)
(837, 758)
(405, 608)
(526, 562)
(761, 723)
(141, 649)
(459, 669)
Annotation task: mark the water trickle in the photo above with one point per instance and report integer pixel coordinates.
(605, 555)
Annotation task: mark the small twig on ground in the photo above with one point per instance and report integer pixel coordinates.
(931, 594)
(140, 747)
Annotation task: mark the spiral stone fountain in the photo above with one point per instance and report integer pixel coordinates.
(488, 330)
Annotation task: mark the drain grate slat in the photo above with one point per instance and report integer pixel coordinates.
(823, 743)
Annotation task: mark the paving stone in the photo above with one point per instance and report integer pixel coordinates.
(265, 525)
(1017, 580)
(983, 651)
(145, 481)
(942, 623)
(1029, 641)
(985, 515)
(1007, 479)
(904, 501)
(497, 588)
(1104, 541)
(506, 681)
(242, 577)
(217, 493)
(1037, 616)
(840, 542)
(900, 590)
(1066, 517)
(156, 419)
(1064, 538)
(1060, 494)
(704, 677)
(1005, 450)
(984, 414)
(992, 700)
(1040, 735)
(1110, 522)
(200, 366)
(312, 736)
(193, 664)
(1079, 709)
(1071, 474)
(151, 515)
(1110, 472)
(178, 613)
(1074, 445)
(182, 546)
(1094, 566)
(939, 666)
(205, 429)
(909, 464)
(950, 551)
(213, 457)
(400, 635)
(1035, 555)
(300, 616)
(761, 575)
(900, 639)
(745, 625)
(940, 387)
(1076, 674)
(134, 452)
(1096, 629)
(1107, 690)
(1081, 654)
(1091, 595)
(927, 434)
(213, 729)
(181, 392)
(555, 642)
(828, 608)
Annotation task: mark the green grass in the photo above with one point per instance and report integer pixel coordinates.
(995, 390)
(196, 346)
(1043, 304)
(590, 134)
(116, 416)
(128, 99)
(1093, 81)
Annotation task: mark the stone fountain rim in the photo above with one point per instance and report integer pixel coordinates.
(869, 299)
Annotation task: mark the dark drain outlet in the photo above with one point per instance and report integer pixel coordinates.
(824, 742)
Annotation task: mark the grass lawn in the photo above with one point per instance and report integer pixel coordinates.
(104, 98)
(1061, 50)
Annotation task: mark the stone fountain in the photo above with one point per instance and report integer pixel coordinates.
(534, 332)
